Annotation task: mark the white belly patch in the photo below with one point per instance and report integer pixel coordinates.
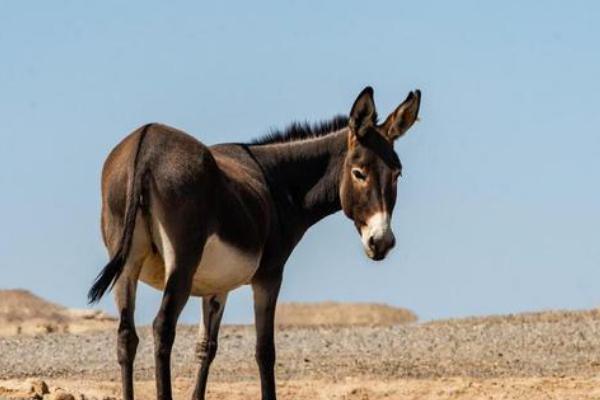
(222, 268)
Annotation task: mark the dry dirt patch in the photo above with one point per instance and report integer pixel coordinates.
(341, 314)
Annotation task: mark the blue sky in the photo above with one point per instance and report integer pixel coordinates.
(499, 207)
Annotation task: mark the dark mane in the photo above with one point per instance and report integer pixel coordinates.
(303, 130)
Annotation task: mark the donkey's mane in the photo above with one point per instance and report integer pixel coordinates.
(303, 130)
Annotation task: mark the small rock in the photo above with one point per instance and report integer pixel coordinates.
(38, 387)
(61, 394)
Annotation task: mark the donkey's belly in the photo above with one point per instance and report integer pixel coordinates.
(222, 268)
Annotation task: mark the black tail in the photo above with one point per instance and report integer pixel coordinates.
(111, 272)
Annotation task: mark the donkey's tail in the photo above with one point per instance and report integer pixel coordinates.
(111, 272)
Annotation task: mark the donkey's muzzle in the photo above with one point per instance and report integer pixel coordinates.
(377, 236)
(378, 248)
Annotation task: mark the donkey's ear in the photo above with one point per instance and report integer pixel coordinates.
(363, 114)
(398, 122)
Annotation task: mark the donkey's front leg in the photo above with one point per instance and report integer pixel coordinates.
(265, 300)
(212, 312)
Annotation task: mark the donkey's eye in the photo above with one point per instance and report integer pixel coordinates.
(359, 174)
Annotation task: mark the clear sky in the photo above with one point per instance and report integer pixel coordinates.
(499, 207)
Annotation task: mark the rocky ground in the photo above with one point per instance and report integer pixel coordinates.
(528, 356)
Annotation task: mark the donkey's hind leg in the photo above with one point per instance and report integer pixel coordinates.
(124, 294)
(176, 294)
(182, 250)
(127, 340)
(212, 312)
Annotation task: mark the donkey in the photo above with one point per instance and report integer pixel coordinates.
(193, 220)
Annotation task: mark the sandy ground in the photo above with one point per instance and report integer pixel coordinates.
(552, 355)
(567, 388)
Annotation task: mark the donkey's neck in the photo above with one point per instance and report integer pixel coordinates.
(304, 175)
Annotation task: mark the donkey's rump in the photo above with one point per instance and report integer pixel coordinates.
(178, 170)
(177, 166)
(186, 192)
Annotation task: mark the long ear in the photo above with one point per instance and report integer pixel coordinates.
(363, 114)
(398, 122)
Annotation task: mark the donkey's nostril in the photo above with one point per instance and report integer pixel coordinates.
(371, 243)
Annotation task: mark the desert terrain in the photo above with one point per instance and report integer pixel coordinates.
(380, 353)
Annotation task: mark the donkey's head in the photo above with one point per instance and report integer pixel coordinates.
(372, 167)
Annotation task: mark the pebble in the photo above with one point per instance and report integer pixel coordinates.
(61, 394)
(38, 387)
